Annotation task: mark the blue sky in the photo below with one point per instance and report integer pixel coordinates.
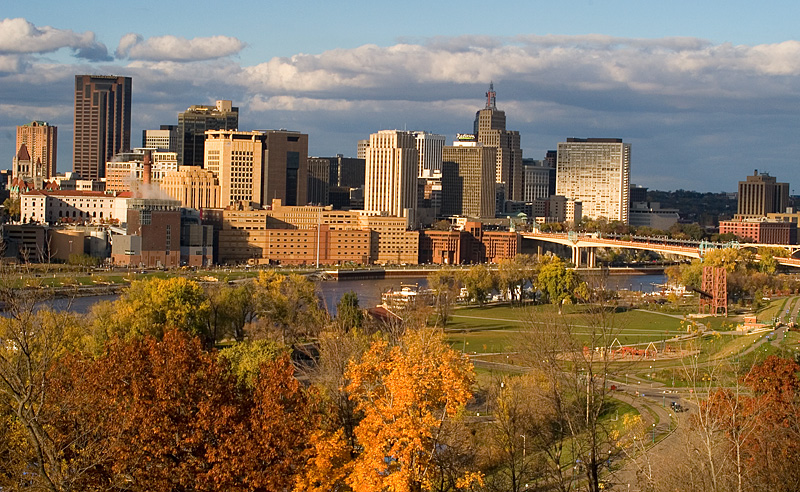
(705, 91)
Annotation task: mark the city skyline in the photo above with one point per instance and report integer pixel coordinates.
(702, 105)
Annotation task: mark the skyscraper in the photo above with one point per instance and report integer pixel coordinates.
(102, 122)
(391, 173)
(595, 171)
(468, 182)
(193, 124)
(41, 139)
(429, 153)
(761, 194)
(259, 166)
(490, 129)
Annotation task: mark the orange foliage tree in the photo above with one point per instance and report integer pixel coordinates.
(173, 417)
(406, 393)
(762, 429)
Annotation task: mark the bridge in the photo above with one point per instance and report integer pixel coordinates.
(583, 245)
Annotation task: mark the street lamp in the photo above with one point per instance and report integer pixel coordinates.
(654, 433)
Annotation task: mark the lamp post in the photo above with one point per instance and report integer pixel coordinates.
(654, 433)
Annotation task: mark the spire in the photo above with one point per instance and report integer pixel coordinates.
(491, 101)
(23, 154)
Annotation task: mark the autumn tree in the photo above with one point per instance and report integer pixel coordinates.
(519, 434)
(406, 393)
(32, 342)
(174, 417)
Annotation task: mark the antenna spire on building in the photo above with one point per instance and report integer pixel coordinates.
(491, 97)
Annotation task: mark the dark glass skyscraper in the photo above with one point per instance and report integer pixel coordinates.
(192, 126)
(102, 122)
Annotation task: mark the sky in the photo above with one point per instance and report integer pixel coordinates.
(706, 92)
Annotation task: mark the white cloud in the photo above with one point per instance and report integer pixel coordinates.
(689, 106)
(18, 36)
(173, 48)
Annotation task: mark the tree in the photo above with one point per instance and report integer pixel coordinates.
(511, 277)
(245, 359)
(230, 309)
(556, 281)
(32, 342)
(12, 208)
(150, 307)
(348, 314)
(406, 393)
(446, 288)
(173, 417)
(289, 305)
(519, 434)
(479, 283)
(575, 366)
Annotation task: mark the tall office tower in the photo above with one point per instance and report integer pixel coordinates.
(193, 124)
(347, 171)
(429, 151)
(41, 139)
(165, 138)
(361, 152)
(259, 166)
(319, 180)
(761, 194)
(539, 179)
(391, 174)
(102, 122)
(595, 171)
(490, 128)
(468, 185)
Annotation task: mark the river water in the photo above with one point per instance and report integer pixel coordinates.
(369, 291)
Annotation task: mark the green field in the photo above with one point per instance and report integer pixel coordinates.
(492, 329)
(495, 333)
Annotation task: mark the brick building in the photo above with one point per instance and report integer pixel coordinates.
(761, 231)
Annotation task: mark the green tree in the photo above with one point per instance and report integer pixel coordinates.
(12, 208)
(348, 313)
(150, 307)
(245, 359)
(479, 283)
(446, 287)
(289, 305)
(556, 281)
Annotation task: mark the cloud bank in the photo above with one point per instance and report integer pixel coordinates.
(699, 115)
(18, 36)
(173, 48)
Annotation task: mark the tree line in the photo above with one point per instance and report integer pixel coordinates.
(254, 386)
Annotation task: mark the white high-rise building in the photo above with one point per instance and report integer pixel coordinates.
(429, 151)
(391, 174)
(595, 171)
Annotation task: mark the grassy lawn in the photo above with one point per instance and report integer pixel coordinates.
(496, 328)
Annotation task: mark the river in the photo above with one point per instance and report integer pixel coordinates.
(369, 291)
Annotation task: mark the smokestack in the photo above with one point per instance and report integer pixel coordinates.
(147, 168)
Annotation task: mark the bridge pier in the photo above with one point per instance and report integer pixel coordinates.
(577, 257)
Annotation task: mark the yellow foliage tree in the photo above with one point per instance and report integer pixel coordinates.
(406, 393)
